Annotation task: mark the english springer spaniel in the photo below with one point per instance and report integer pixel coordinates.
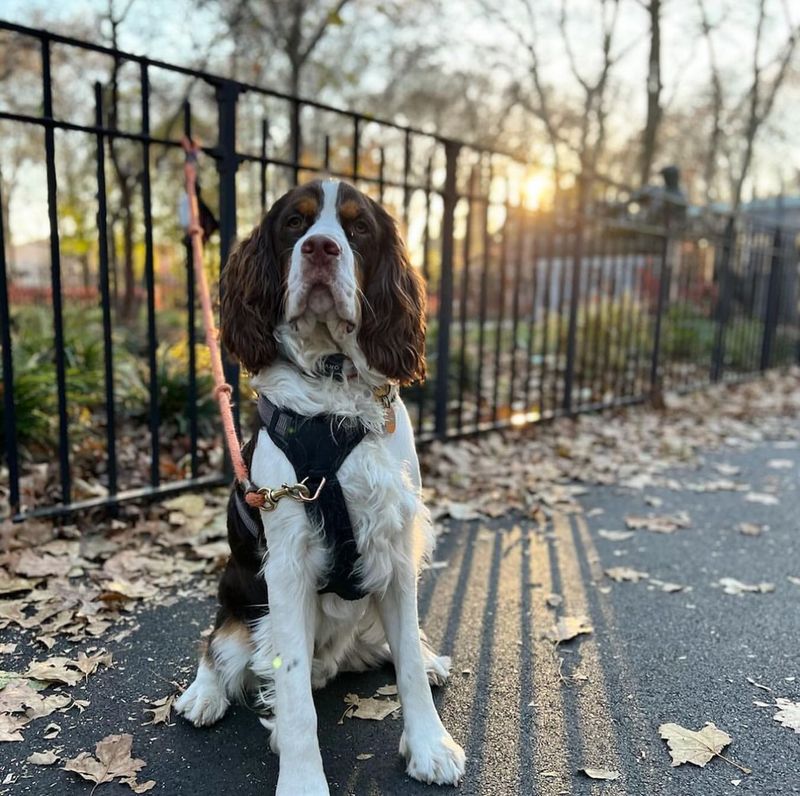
(322, 307)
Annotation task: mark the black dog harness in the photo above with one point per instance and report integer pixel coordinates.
(316, 447)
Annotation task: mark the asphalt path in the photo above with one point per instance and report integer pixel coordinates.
(529, 715)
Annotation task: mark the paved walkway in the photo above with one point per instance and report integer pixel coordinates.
(529, 716)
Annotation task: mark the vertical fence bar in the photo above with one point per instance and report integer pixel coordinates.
(723, 307)
(406, 175)
(501, 304)
(55, 274)
(484, 293)
(381, 175)
(191, 333)
(263, 164)
(664, 276)
(574, 297)
(534, 266)
(464, 304)
(426, 272)
(449, 197)
(149, 275)
(356, 146)
(296, 134)
(546, 309)
(227, 165)
(105, 294)
(773, 301)
(9, 410)
(326, 153)
(519, 253)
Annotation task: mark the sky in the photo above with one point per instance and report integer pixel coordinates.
(167, 36)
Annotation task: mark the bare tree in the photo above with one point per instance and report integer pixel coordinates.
(717, 106)
(760, 97)
(654, 88)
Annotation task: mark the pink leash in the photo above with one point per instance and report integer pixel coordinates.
(222, 390)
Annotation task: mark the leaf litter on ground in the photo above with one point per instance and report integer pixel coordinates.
(697, 746)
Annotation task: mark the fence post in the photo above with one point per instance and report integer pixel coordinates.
(450, 197)
(772, 307)
(723, 301)
(227, 95)
(9, 409)
(574, 297)
(664, 280)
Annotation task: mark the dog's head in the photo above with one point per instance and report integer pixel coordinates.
(325, 271)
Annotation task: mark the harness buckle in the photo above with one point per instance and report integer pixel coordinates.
(299, 492)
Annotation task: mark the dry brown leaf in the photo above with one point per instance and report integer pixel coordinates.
(780, 464)
(113, 761)
(10, 584)
(568, 627)
(620, 574)
(364, 756)
(369, 708)
(43, 758)
(751, 528)
(58, 670)
(793, 579)
(8, 649)
(161, 710)
(51, 731)
(696, 746)
(659, 523)
(789, 714)
(615, 536)
(733, 586)
(763, 498)
(667, 586)
(600, 773)
(88, 663)
(387, 690)
(10, 727)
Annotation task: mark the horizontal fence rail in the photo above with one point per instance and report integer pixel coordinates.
(600, 299)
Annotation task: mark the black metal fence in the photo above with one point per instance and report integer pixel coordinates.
(594, 299)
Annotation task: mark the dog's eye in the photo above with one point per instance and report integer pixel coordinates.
(295, 221)
(360, 227)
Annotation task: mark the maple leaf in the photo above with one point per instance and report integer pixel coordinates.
(568, 627)
(55, 669)
(789, 714)
(369, 708)
(10, 727)
(161, 710)
(696, 746)
(113, 761)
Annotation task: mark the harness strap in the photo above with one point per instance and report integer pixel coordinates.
(316, 447)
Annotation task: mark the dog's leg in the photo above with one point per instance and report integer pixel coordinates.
(292, 614)
(431, 753)
(220, 675)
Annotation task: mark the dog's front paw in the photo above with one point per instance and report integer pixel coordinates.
(433, 757)
(296, 782)
(204, 701)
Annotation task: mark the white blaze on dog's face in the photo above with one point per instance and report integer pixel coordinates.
(321, 284)
(326, 255)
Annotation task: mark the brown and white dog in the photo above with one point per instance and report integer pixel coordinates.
(326, 273)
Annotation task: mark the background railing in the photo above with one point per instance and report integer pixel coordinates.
(599, 298)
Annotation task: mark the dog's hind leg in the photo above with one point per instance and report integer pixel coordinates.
(221, 675)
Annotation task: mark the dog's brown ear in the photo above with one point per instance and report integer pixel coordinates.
(252, 289)
(392, 329)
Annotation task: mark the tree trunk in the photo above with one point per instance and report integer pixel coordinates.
(654, 87)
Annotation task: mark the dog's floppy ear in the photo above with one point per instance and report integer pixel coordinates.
(252, 289)
(392, 329)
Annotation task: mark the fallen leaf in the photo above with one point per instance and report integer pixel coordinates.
(463, 511)
(161, 710)
(387, 690)
(695, 746)
(364, 756)
(789, 714)
(51, 731)
(7, 649)
(659, 523)
(43, 758)
(780, 464)
(620, 574)
(751, 529)
(668, 587)
(615, 536)
(10, 727)
(554, 600)
(761, 497)
(188, 504)
(793, 579)
(113, 761)
(733, 586)
(758, 685)
(369, 708)
(88, 663)
(568, 627)
(600, 773)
